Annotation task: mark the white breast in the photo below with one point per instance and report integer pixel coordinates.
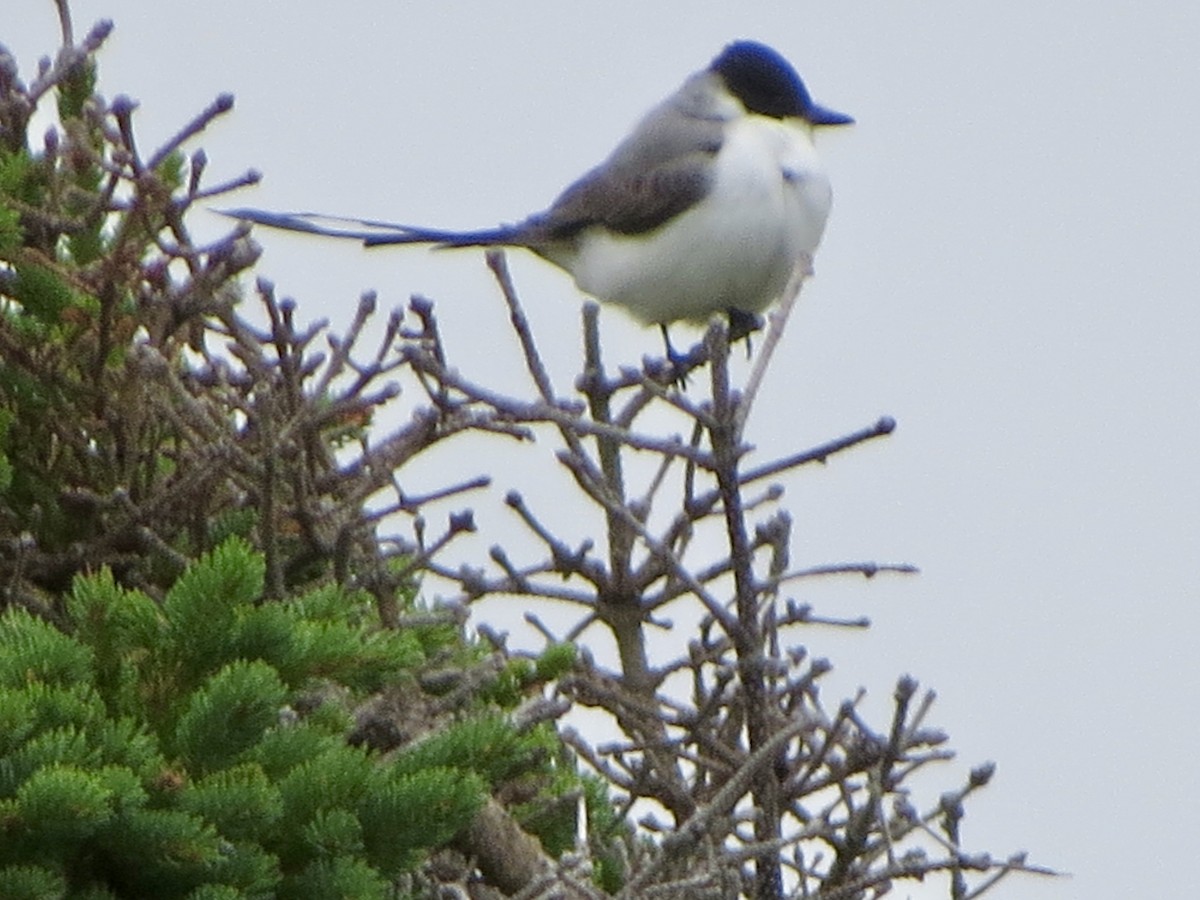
(736, 248)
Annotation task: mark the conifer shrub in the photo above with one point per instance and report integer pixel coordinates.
(158, 750)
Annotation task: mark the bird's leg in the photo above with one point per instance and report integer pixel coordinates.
(679, 361)
(742, 324)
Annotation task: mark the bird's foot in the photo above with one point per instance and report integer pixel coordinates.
(743, 324)
(681, 363)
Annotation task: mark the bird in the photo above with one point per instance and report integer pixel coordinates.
(707, 206)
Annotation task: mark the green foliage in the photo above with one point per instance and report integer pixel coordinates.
(31, 883)
(522, 676)
(340, 877)
(608, 833)
(487, 746)
(227, 714)
(555, 661)
(393, 837)
(6, 470)
(240, 800)
(76, 89)
(152, 750)
(37, 652)
(41, 293)
(202, 606)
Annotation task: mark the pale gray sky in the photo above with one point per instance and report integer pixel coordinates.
(1010, 270)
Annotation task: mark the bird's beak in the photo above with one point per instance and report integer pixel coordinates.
(820, 115)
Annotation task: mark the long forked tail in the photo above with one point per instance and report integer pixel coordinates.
(374, 233)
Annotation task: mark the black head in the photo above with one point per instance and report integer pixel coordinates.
(767, 84)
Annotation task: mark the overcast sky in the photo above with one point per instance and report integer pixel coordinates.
(1011, 270)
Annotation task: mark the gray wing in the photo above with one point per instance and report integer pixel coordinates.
(659, 171)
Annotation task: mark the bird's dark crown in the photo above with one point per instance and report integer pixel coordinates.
(762, 79)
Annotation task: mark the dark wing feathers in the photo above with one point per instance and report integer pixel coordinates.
(626, 202)
(658, 172)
